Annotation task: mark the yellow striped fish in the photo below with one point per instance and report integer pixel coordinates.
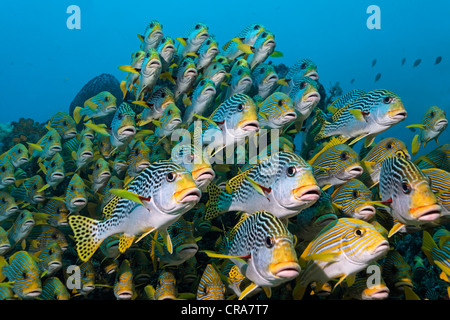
(438, 158)
(396, 271)
(210, 286)
(123, 285)
(342, 249)
(54, 289)
(440, 184)
(276, 111)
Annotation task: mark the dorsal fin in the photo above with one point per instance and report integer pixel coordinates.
(333, 142)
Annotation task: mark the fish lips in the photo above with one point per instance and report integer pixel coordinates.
(427, 213)
(188, 195)
(381, 249)
(365, 212)
(79, 202)
(250, 125)
(309, 193)
(8, 181)
(187, 250)
(287, 270)
(313, 75)
(125, 295)
(201, 177)
(376, 293)
(126, 131)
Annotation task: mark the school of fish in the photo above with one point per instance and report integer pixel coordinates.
(165, 202)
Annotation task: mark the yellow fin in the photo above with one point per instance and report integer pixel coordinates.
(421, 126)
(43, 188)
(123, 88)
(77, 115)
(299, 291)
(146, 233)
(332, 109)
(397, 226)
(358, 114)
(324, 257)
(276, 54)
(415, 145)
(182, 41)
(141, 37)
(248, 290)
(245, 48)
(167, 241)
(212, 254)
(125, 242)
(283, 82)
(85, 231)
(128, 195)
(99, 128)
(128, 68)
(410, 294)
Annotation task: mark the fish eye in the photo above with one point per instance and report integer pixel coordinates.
(280, 103)
(359, 232)
(171, 176)
(355, 194)
(33, 186)
(240, 107)
(3, 169)
(208, 42)
(71, 188)
(50, 138)
(389, 146)
(174, 231)
(136, 152)
(197, 26)
(24, 275)
(387, 100)
(406, 188)
(82, 145)
(65, 123)
(3, 201)
(19, 151)
(262, 70)
(202, 82)
(269, 242)
(97, 166)
(303, 66)
(152, 25)
(264, 34)
(344, 155)
(106, 98)
(184, 63)
(163, 95)
(215, 67)
(256, 27)
(290, 171)
(302, 85)
(52, 164)
(432, 114)
(240, 72)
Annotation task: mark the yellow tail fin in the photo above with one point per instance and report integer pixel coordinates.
(86, 235)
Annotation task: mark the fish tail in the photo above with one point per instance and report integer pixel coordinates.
(428, 245)
(77, 114)
(86, 235)
(323, 123)
(218, 202)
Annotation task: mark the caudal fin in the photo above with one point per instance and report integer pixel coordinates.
(86, 235)
(323, 123)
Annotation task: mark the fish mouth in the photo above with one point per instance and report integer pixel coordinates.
(57, 176)
(111, 109)
(125, 295)
(33, 293)
(142, 166)
(313, 96)
(189, 195)
(127, 131)
(355, 171)
(105, 174)
(8, 181)
(28, 223)
(325, 219)
(54, 265)
(382, 248)
(272, 78)
(4, 247)
(88, 288)
(400, 115)
(313, 75)
(378, 294)
(286, 270)
(22, 160)
(12, 209)
(441, 123)
(270, 42)
(191, 72)
(210, 90)
(246, 80)
(205, 174)
(366, 212)
(78, 202)
(56, 149)
(310, 193)
(251, 125)
(87, 154)
(427, 213)
(38, 198)
(188, 249)
(290, 116)
(155, 64)
(70, 134)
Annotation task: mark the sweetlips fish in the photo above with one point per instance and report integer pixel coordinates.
(54, 289)
(282, 184)
(354, 200)
(186, 76)
(50, 259)
(43, 235)
(30, 191)
(87, 279)
(202, 97)
(196, 36)
(302, 68)
(305, 97)
(169, 121)
(388, 147)
(408, 189)
(64, 124)
(100, 174)
(100, 105)
(47, 146)
(363, 289)
(263, 48)
(57, 212)
(166, 287)
(152, 36)
(138, 158)
(54, 170)
(437, 250)
(241, 81)
(22, 271)
(433, 124)
(154, 200)
(276, 111)
(263, 249)
(18, 155)
(75, 197)
(371, 114)
(440, 184)
(342, 249)
(124, 285)
(8, 206)
(216, 72)
(7, 177)
(84, 154)
(265, 79)
(247, 36)
(396, 271)
(335, 164)
(5, 245)
(183, 242)
(166, 50)
(207, 53)
(437, 158)
(211, 286)
(123, 126)
(154, 107)
(132, 78)
(235, 119)
(21, 228)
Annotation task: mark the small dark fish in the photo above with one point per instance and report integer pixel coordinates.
(403, 61)
(374, 62)
(377, 77)
(353, 80)
(438, 60)
(417, 62)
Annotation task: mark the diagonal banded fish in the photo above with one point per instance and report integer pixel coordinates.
(17, 155)
(263, 249)
(302, 68)
(305, 97)
(413, 200)
(276, 111)
(166, 287)
(388, 147)
(246, 36)
(438, 158)
(396, 271)
(164, 190)
(354, 200)
(54, 289)
(371, 114)
(64, 124)
(440, 184)
(152, 35)
(282, 184)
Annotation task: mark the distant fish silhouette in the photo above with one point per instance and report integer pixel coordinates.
(438, 60)
(374, 62)
(403, 61)
(353, 80)
(377, 77)
(417, 62)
